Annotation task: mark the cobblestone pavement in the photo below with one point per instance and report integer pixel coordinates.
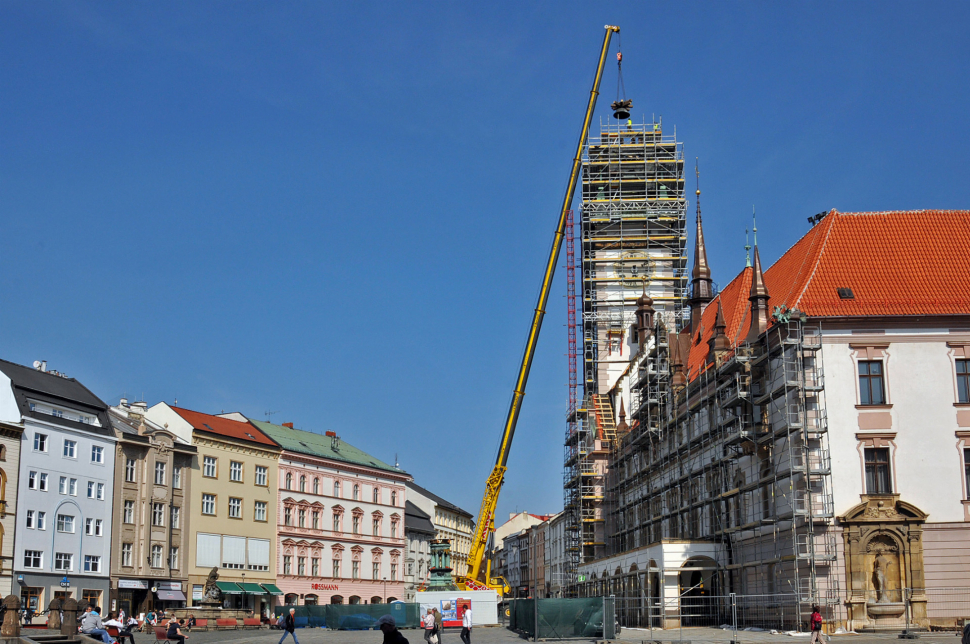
(500, 635)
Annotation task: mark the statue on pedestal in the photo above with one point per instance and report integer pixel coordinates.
(211, 595)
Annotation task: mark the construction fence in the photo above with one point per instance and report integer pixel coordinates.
(579, 618)
(353, 617)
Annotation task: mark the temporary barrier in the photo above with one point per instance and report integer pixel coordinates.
(353, 617)
(578, 618)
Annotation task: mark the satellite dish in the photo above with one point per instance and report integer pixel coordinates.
(36, 364)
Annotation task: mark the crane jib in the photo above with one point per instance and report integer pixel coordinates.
(493, 485)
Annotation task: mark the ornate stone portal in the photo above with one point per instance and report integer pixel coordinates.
(883, 557)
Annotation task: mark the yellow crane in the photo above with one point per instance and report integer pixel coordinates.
(479, 565)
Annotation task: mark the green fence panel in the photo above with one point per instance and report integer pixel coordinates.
(522, 616)
(355, 617)
(575, 618)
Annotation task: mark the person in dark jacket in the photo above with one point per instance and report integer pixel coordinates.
(174, 633)
(389, 627)
(289, 626)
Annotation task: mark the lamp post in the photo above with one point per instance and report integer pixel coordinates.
(245, 594)
(385, 590)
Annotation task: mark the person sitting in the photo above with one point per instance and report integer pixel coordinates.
(91, 624)
(189, 625)
(123, 630)
(174, 632)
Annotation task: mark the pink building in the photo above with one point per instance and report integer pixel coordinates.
(341, 521)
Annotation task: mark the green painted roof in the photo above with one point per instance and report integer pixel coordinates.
(313, 444)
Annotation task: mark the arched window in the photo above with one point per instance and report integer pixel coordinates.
(289, 481)
(375, 599)
(336, 599)
(310, 600)
(291, 599)
(377, 495)
(336, 488)
(316, 485)
(356, 492)
(302, 483)
(393, 498)
(354, 599)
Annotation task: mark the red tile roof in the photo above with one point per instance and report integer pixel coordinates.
(896, 263)
(223, 426)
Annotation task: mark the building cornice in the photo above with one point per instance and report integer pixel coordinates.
(343, 466)
(227, 444)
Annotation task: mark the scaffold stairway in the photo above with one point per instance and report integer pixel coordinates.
(604, 416)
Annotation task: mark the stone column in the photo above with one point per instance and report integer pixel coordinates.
(69, 624)
(11, 621)
(54, 615)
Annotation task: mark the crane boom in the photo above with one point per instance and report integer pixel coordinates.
(493, 485)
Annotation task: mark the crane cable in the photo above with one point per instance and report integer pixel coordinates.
(619, 69)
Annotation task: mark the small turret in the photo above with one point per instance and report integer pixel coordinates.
(644, 315)
(701, 284)
(758, 296)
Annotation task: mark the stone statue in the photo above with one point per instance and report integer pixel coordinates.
(54, 615)
(11, 623)
(880, 568)
(211, 592)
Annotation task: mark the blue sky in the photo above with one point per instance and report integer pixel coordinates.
(340, 212)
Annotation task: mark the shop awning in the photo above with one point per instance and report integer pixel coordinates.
(251, 589)
(229, 588)
(170, 595)
(272, 589)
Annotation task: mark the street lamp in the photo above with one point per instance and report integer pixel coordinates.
(244, 600)
(385, 590)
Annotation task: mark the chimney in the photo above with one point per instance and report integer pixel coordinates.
(290, 425)
(331, 434)
(123, 403)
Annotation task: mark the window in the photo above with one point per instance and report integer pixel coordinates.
(89, 526)
(98, 527)
(175, 517)
(30, 517)
(41, 520)
(65, 523)
(289, 481)
(356, 492)
(393, 529)
(355, 570)
(209, 504)
(126, 554)
(33, 558)
(287, 516)
(963, 381)
(62, 488)
(101, 491)
(158, 514)
(336, 522)
(871, 390)
(377, 527)
(287, 564)
(209, 467)
(336, 568)
(235, 508)
(235, 471)
(40, 442)
(376, 570)
(176, 476)
(315, 566)
(877, 470)
(302, 518)
(129, 515)
(356, 523)
(129, 470)
(92, 563)
(32, 481)
(316, 520)
(156, 556)
(173, 557)
(63, 561)
(90, 489)
(302, 483)
(393, 572)
(72, 487)
(316, 485)
(43, 482)
(966, 469)
(336, 488)
(70, 448)
(301, 566)
(261, 475)
(159, 473)
(97, 454)
(259, 512)
(393, 498)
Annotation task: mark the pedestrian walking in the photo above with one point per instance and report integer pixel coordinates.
(817, 635)
(439, 629)
(429, 627)
(966, 634)
(389, 627)
(289, 626)
(466, 626)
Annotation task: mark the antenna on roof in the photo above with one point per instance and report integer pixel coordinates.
(269, 415)
(747, 250)
(754, 223)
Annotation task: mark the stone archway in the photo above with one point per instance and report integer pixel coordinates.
(883, 556)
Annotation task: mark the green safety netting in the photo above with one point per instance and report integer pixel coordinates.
(354, 616)
(580, 618)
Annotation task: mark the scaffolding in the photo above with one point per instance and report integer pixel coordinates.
(737, 458)
(633, 238)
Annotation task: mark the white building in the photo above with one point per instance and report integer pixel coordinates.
(556, 563)
(64, 505)
(419, 532)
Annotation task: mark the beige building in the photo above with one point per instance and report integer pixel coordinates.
(150, 536)
(233, 508)
(10, 437)
(450, 522)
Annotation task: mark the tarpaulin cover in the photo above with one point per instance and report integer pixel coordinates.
(580, 618)
(354, 617)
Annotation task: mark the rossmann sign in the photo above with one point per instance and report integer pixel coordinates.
(324, 587)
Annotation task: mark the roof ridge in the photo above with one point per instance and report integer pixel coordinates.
(817, 260)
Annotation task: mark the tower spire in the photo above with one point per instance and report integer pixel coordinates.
(702, 287)
(758, 295)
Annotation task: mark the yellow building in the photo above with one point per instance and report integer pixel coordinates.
(233, 508)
